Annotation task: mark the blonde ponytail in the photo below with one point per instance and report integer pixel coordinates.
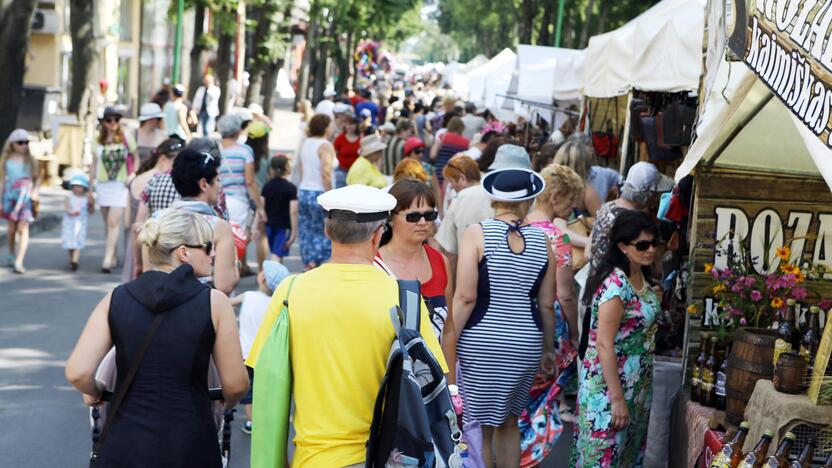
(173, 227)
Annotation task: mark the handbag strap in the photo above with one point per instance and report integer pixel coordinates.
(128, 379)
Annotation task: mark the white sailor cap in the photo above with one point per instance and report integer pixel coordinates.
(360, 203)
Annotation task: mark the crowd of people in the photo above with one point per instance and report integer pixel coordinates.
(415, 186)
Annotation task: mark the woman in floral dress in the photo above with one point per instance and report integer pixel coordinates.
(17, 190)
(616, 372)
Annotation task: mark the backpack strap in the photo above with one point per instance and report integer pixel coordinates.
(410, 296)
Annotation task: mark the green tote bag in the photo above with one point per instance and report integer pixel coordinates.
(273, 395)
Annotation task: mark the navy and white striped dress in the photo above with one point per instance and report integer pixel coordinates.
(500, 347)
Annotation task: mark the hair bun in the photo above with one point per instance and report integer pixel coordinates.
(149, 233)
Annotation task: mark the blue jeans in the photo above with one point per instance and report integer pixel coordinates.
(207, 122)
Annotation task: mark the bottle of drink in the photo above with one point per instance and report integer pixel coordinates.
(787, 331)
(724, 459)
(720, 382)
(696, 374)
(708, 376)
(756, 457)
(806, 456)
(780, 459)
(810, 340)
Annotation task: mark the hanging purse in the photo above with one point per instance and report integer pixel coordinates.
(606, 142)
(125, 386)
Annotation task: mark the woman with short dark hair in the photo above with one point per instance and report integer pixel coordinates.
(314, 164)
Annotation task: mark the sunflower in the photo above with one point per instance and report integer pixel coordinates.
(777, 303)
(719, 288)
(783, 253)
(709, 267)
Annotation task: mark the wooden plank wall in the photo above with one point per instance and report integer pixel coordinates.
(753, 193)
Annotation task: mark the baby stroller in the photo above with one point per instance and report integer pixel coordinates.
(106, 377)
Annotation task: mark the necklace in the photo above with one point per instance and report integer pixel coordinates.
(644, 284)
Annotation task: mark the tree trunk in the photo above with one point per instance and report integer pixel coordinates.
(257, 66)
(527, 20)
(84, 51)
(195, 79)
(602, 18)
(590, 4)
(321, 72)
(15, 25)
(222, 67)
(269, 85)
(344, 65)
(545, 36)
(308, 58)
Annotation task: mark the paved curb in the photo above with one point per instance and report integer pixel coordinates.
(43, 223)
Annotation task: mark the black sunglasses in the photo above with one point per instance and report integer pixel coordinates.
(207, 247)
(22, 142)
(112, 119)
(643, 245)
(418, 151)
(415, 216)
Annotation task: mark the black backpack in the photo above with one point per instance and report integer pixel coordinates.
(413, 413)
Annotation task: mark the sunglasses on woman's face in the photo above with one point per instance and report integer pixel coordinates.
(207, 247)
(415, 216)
(418, 151)
(111, 120)
(22, 142)
(643, 245)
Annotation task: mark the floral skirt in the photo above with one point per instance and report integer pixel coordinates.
(17, 206)
(314, 245)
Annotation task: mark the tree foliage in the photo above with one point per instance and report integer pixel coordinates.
(488, 26)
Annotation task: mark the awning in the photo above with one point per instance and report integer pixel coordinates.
(546, 73)
(473, 85)
(660, 50)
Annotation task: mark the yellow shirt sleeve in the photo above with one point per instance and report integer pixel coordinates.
(426, 330)
(268, 322)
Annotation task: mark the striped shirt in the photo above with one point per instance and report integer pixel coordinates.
(233, 170)
(452, 143)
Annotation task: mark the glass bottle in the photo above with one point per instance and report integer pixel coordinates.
(696, 374)
(787, 331)
(756, 457)
(780, 459)
(724, 459)
(708, 376)
(720, 382)
(806, 456)
(810, 340)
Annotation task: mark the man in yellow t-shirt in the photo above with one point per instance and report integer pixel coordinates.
(340, 332)
(364, 170)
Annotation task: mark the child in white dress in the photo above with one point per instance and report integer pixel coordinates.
(74, 225)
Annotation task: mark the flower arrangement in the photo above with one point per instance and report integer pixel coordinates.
(747, 298)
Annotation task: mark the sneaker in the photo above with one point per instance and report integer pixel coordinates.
(246, 428)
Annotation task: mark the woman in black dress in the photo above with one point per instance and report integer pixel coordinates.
(165, 418)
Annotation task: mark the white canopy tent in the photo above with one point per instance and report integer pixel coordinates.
(742, 125)
(473, 85)
(546, 73)
(660, 50)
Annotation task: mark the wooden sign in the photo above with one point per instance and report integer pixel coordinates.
(762, 211)
(787, 47)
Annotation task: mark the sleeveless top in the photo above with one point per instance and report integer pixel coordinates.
(166, 417)
(311, 177)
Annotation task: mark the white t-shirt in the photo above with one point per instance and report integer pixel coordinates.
(252, 312)
(474, 152)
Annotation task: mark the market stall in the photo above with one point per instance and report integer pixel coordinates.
(470, 85)
(760, 237)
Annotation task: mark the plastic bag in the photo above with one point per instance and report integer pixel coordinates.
(272, 396)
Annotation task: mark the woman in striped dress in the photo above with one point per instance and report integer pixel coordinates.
(503, 313)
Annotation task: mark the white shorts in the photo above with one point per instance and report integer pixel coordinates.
(112, 194)
(238, 211)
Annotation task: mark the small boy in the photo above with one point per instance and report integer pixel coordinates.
(252, 311)
(280, 198)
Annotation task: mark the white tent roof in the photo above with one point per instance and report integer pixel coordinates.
(545, 73)
(473, 85)
(752, 129)
(660, 50)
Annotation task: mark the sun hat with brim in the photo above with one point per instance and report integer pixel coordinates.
(341, 108)
(274, 272)
(257, 129)
(358, 203)
(149, 111)
(111, 111)
(371, 144)
(511, 156)
(513, 184)
(19, 134)
(81, 180)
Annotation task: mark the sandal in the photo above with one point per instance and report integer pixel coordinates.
(19, 269)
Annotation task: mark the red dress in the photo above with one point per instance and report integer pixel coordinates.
(433, 290)
(346, 151)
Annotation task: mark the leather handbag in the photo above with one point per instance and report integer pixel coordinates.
(606, 142)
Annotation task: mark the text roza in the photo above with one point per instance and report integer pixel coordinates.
(787, 37)
(764, 234)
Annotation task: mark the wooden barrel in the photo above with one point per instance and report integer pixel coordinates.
(790, 373)
(750, 361)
